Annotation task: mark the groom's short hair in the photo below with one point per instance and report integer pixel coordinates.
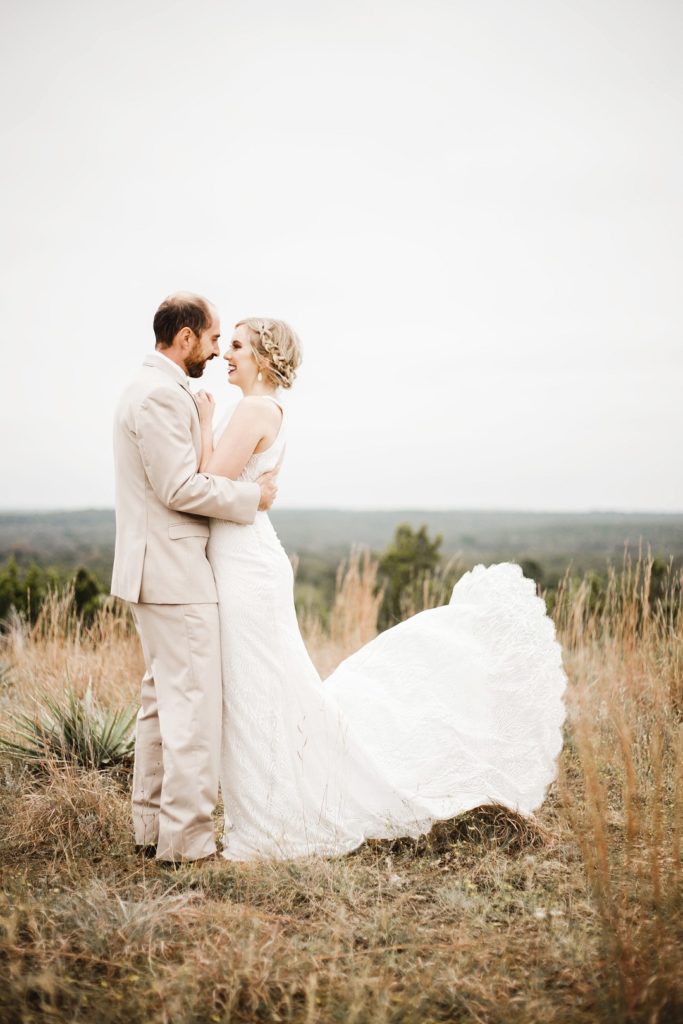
(177, 311)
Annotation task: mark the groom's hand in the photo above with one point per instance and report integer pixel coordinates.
(268, 484)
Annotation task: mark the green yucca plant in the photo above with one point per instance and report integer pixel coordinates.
(76, 732)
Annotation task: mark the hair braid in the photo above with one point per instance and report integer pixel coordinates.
(278, 346)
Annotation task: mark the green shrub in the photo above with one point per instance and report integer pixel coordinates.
(76, 732)
(404, 566)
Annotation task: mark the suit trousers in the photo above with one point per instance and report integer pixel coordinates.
(178, 732)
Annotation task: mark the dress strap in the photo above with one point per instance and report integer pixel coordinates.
(278, 404)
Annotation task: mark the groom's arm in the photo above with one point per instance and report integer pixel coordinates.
(170, 461)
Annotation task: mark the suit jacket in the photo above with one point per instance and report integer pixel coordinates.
(161, 500)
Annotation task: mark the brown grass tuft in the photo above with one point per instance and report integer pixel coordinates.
(69, 815)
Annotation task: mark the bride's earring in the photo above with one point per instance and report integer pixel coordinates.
(259, 376)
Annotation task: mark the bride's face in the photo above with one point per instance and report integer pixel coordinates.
(242, 366)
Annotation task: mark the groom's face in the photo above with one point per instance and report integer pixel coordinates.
(205, 347)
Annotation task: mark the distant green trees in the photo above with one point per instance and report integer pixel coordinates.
(533, 570)
(25, 590)
(407, 563)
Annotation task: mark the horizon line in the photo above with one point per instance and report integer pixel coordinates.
(404, 509)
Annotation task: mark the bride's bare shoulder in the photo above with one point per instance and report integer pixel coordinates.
(259, 407)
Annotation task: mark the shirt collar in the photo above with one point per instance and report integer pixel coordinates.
(164, 363)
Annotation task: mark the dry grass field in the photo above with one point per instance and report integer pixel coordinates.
(574, 916)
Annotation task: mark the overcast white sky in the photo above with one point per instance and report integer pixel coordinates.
(472, 213)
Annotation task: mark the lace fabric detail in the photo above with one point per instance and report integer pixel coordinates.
(456, 706)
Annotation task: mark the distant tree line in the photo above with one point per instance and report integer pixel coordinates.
(24, 590)
(414, 576)
(412, 573)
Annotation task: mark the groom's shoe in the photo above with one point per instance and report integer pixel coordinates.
(210, 859)
(213, 857)
(148, 850)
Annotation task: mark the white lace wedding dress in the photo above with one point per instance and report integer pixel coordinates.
(457, 706)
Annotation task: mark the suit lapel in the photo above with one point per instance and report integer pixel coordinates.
(194, 400)
(196, 423)
(165, 366)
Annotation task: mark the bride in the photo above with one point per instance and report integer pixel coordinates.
(457, 706)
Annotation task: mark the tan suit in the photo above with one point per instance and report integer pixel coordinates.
(160, 566)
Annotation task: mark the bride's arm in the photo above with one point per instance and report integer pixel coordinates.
(205, 405)
(247, 427)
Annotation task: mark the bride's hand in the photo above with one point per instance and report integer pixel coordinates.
(268, 484)
(206, 406)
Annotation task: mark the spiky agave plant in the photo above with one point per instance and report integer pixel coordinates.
(76, 732)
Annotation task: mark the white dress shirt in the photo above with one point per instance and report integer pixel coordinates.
(182, 376)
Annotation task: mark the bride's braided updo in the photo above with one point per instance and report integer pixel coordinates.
(276, 348)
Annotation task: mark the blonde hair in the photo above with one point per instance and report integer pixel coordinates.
(274, 342)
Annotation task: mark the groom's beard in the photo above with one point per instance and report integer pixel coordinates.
(194, 364)
(194, 369)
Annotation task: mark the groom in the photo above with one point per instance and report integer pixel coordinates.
(160, 566)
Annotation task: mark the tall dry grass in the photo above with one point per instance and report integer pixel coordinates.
(60, 651)
(353, 617)
(576, 916)
(621, 775)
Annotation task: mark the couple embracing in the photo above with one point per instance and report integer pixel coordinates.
(455, 707)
